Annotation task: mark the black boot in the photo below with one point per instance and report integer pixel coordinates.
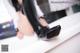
(47, 33)
(42, 32)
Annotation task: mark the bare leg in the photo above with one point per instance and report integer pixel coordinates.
(43, 31)
(24, 26)
(43, 22)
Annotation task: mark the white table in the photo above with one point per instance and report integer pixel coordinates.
(72, 45)
(70, 26)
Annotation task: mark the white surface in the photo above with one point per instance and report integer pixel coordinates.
(4, 15)
(7, 12)
(31, 44)
(70, 26)
(68, 30)
(70, 46)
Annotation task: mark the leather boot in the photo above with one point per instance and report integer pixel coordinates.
(47, 33)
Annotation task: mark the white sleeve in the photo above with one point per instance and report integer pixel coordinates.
(39, 11)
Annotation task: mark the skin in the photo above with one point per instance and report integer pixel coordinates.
(43, 22)
(24, 25)
(20, 1)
